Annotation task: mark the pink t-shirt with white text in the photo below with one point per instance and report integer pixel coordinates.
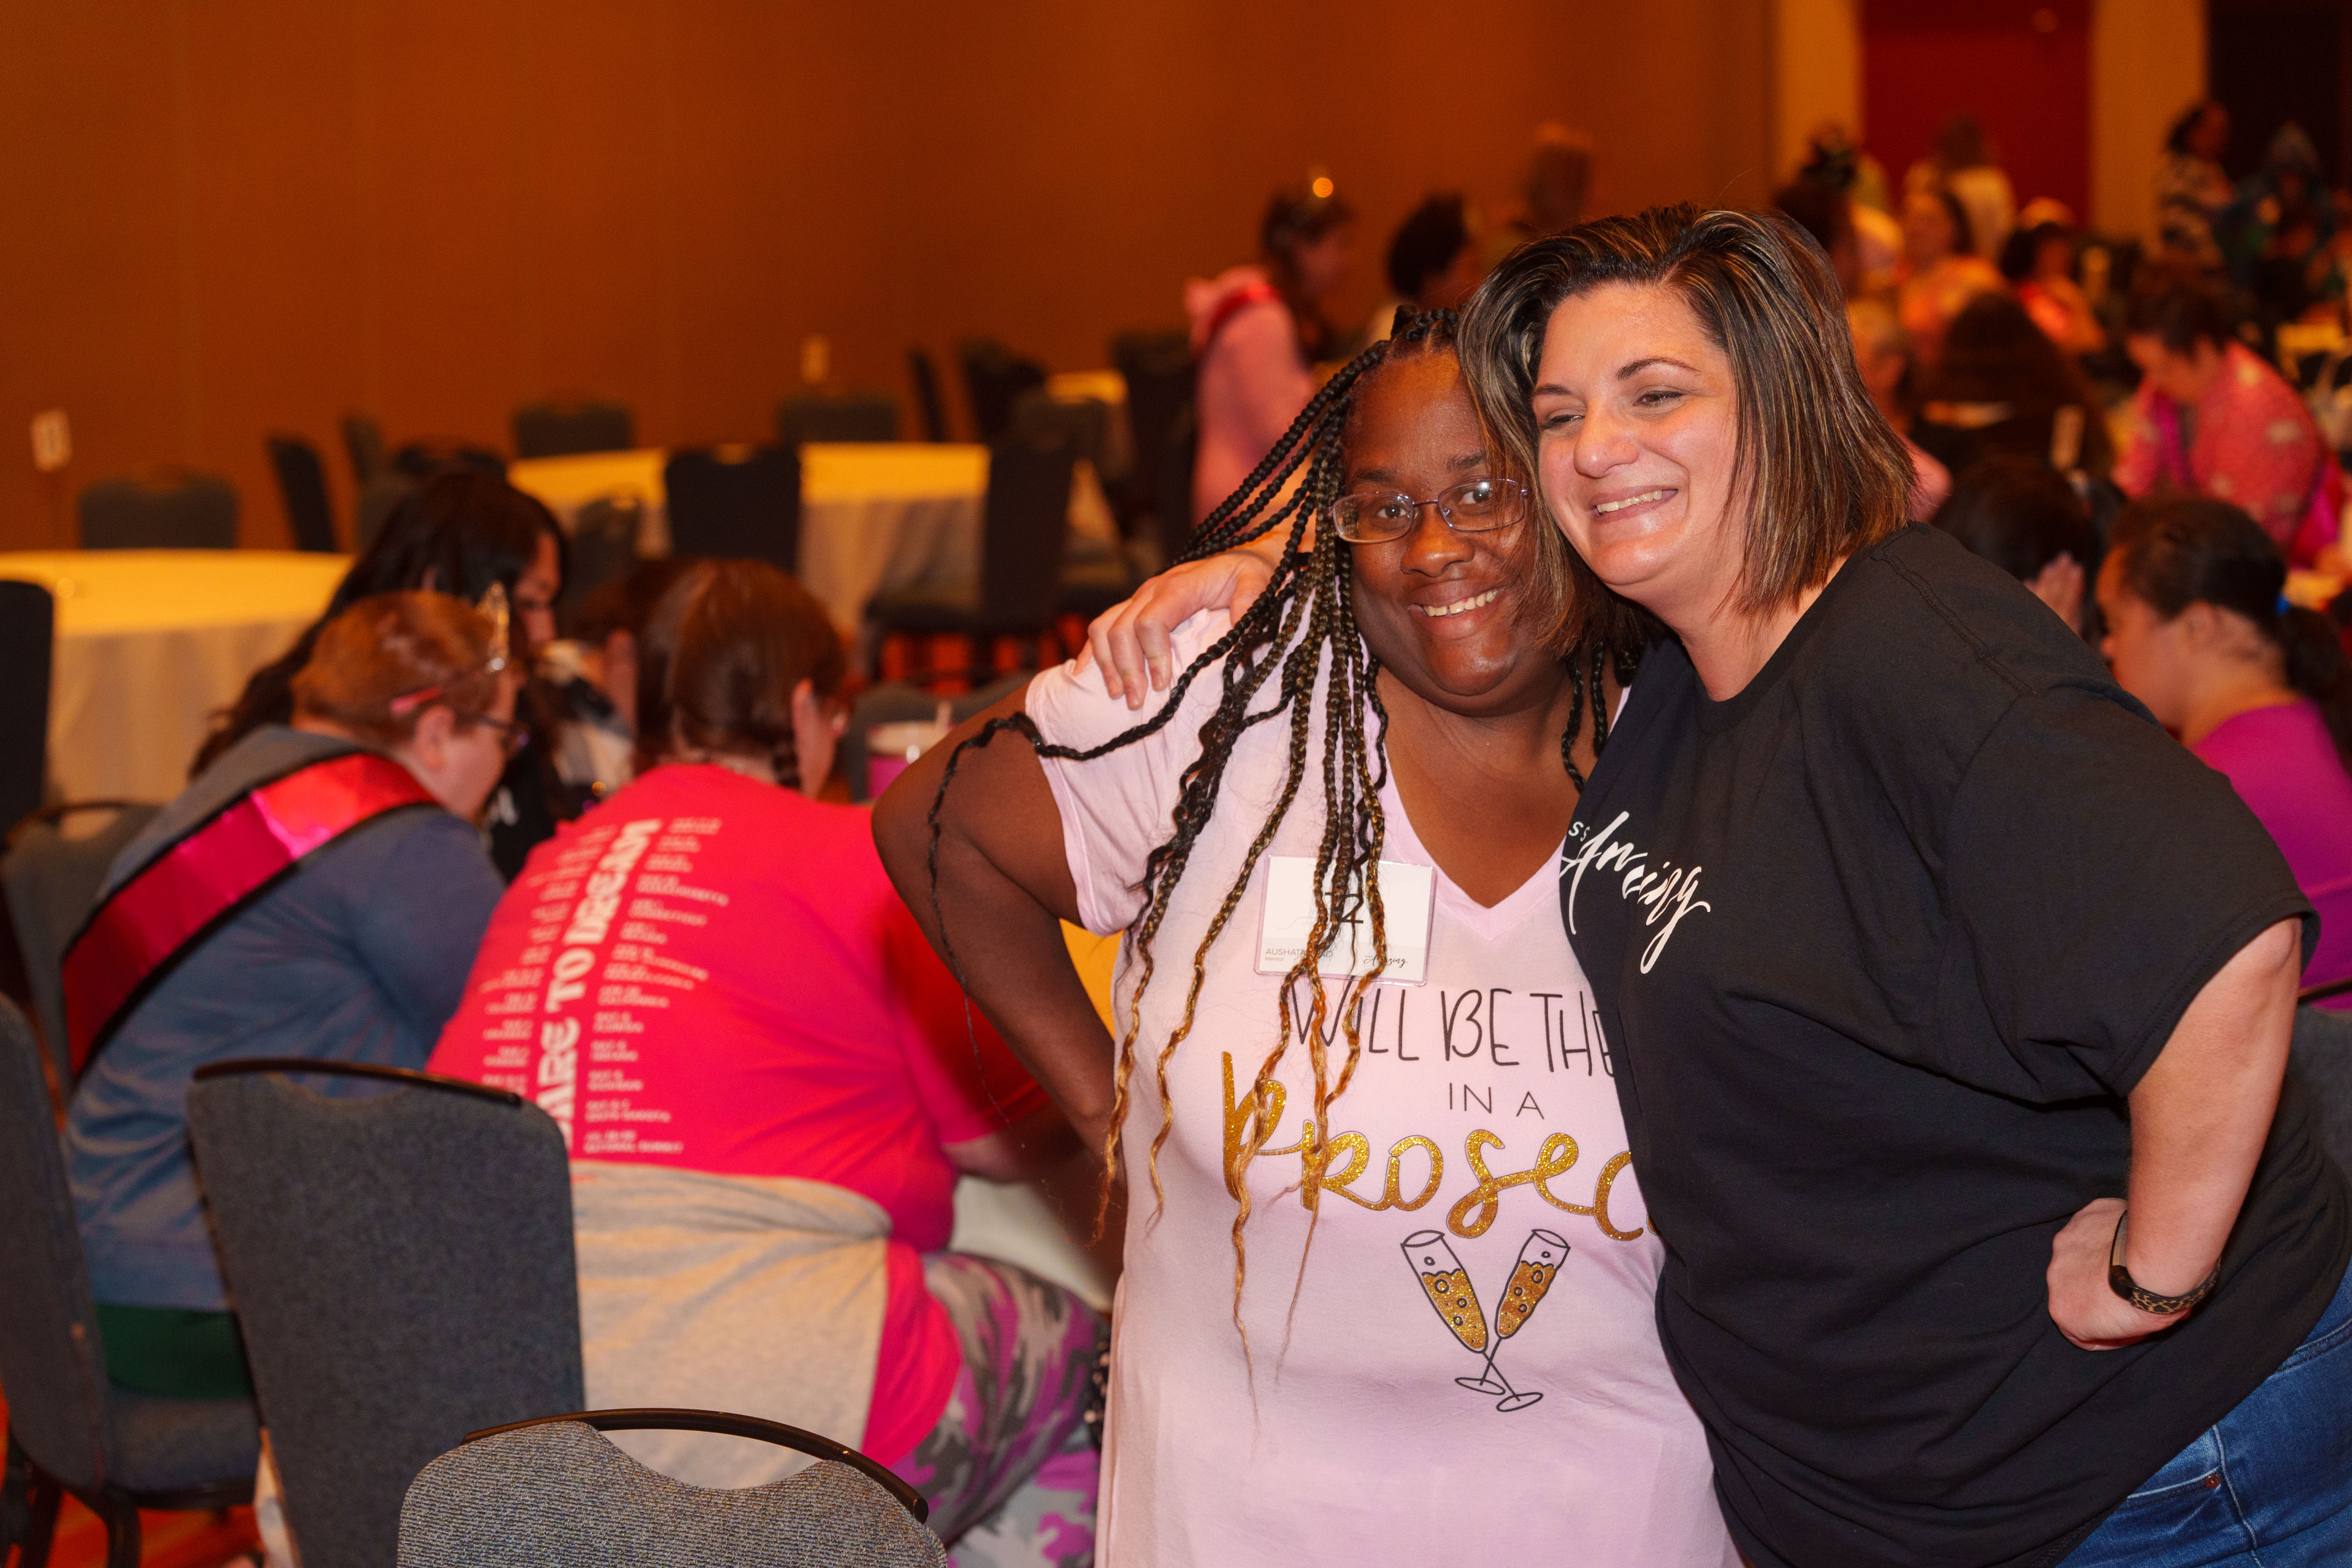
(713, 974)
(1464, 1367)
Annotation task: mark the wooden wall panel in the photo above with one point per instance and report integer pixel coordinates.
(235, 215)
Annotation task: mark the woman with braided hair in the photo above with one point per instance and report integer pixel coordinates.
(1388, 1278)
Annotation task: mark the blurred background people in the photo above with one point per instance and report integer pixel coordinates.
(2198, 629)
(2039, 263)
(2192, 190)
(2211, 417)
(457, 533)
(1963, 164)
(2021, 515)
(1432, 262)
(1836, 161)
(401, 717)
(1558, 190)
(2003, 387)
(1882, 352)
(1826, 212)
(765, 1232)
(596, 666)
(1256, 331)
(1941, 271)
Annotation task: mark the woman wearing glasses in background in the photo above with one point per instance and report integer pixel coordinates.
(203, 947)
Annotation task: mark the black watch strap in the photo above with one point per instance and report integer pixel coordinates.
(2120, 1281)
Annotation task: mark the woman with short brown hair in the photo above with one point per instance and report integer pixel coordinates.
(317, 892)
(1923, 951)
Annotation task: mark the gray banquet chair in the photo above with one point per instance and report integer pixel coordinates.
(561, 429)
(855, 416)
(736, 502)
(52, 881)
(302, 487)
(403, 1267)
(2321, 1057)
(28, 645)
(1022, 525)
(70, 1430)
(556, 1494)
(161, 508)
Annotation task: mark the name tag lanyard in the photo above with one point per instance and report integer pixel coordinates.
(1287, 922)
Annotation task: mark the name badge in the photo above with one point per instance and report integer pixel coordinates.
(1408, 896)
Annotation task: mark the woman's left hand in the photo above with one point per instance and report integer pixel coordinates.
(2082, 1304)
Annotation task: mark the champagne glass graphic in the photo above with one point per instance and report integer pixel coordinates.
(1538, 1266)
(1447, 1285)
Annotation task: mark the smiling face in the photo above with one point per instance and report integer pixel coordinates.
(1636, 432)
(1437, 607)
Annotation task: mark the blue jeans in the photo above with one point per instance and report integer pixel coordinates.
(2268, 1486)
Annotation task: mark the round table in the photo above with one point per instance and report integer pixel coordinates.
(151, 643)
(876, 516)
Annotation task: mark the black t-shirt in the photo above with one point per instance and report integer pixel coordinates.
(1881, 942)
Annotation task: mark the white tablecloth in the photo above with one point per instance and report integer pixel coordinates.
(151, 643)
(876, 516)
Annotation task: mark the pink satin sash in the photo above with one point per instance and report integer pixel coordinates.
(189, 890)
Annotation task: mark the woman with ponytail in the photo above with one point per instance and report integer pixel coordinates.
(1387, 1274)
(769, 1089)
(2198, 630)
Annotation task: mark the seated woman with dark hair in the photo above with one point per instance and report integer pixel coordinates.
(768, 1087)
(202, 949)
(2023, 517)
(2003, 387)
(457, 533)
(2212, 418)
(2198, 630)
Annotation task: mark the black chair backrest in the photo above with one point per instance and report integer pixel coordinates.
(1158, 368)
(926, 377)
(421, 459)
(558, 429)
(163, 509)
(1022, 533)
(604, 547)
(858, 416)
(557, 1494)
(302, 485)
(403, 1272)
(993, 377)
(28, 645)
(363, 445)
(736, 501)
(896, 702)
(1083, 426)
(1173, 497)
(50, 1363)
(52, 881)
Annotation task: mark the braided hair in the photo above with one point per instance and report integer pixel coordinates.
(1301, 628)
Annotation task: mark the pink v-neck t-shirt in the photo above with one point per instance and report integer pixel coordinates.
(1463, 1367)
(2284, 767)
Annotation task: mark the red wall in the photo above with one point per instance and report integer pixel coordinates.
(1925, 60)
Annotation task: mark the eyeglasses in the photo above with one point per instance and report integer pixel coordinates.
(511, 734)
(1481, 506)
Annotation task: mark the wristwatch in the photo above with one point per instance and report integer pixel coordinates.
(2120, 1281)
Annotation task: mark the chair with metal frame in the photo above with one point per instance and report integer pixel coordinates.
(70, 1429)
(28, 615)
(302, 487)
(403, 1272)
(554, 1492)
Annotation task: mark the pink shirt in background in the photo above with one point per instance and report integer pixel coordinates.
(1252, 380)
(2284, 767)
(1347, 1431)
(762, 1003)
